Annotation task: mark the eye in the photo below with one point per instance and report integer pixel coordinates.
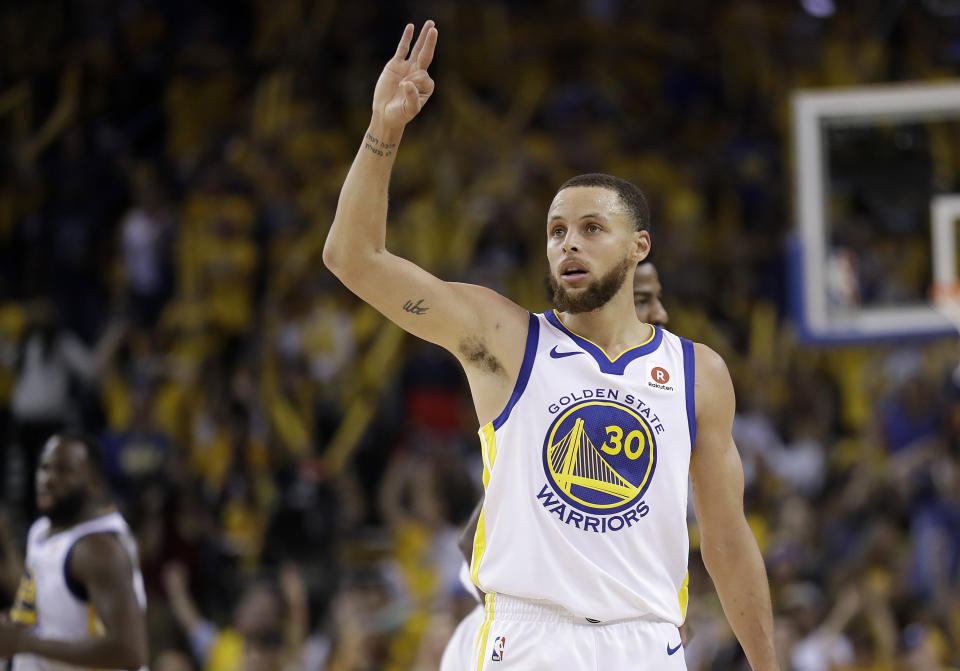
(557, 231)
(593, 228)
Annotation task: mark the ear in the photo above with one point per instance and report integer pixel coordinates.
(641, 245)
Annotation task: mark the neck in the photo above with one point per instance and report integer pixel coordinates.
(87, 511)
(614, 327)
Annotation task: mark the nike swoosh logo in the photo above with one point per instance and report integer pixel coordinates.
(670, 650)
(559, 355)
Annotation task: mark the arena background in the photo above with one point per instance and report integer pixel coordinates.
(169, 173)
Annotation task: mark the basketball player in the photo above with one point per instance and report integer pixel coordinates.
(592, 423)
(459, 651)
(648, 295)
(81, 600)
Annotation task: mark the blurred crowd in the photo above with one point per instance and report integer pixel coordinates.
(295, 470)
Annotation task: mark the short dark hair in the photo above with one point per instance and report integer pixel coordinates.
(95, 456)
(630, 195)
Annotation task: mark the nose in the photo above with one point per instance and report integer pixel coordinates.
(570, 243)
(659, 314)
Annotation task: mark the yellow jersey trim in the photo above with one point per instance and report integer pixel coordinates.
(653, 332)
(94, 624)
(684, 595)
(479, 546)
(24, 610)
(488, 437)
(488, 447)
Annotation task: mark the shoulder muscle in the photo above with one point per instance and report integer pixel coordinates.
(100, 559)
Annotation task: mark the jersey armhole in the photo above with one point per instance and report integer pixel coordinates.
(689, 380)
(529, 354)
(77, 588)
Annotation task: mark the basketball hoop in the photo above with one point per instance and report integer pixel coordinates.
(946, 300)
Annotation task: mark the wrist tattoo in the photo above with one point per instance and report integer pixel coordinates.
(377, 146)
(415, 308)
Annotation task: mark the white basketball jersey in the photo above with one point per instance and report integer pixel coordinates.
(586, 473)
(46, 603)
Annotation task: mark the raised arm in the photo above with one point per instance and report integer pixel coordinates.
(729, 550)
(483, 329)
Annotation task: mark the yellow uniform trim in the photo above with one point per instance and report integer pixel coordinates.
(481, 646)
(684, 594)
(489, 439)
(24, 610)
(94, 625)
(488, 448)
(653, 332)
(479, 545)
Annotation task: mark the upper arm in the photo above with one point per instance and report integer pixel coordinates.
(716, 473)
(476, 324)
(77, 356)
(101, 564)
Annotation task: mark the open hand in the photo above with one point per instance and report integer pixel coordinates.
(404, 85)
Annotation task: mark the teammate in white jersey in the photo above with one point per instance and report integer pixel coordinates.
(81, 600)
(582, 542)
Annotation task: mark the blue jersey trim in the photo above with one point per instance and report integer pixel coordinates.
(529, 354)
(614, 366)
(77, 588)
(689, 380)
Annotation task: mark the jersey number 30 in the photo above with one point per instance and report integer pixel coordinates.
(632, 448)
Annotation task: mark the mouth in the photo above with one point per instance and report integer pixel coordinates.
(573, 270)
(44, 500)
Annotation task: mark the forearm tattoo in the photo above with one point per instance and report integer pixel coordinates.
(377, 146)
(415, 308)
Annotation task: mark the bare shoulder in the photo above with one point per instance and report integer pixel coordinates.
(714, 451)
(713, 387)
(99, 555)
(711, 368)
(494, 343)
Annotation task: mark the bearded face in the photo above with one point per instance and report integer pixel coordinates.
(63, 481)
(595, 295)
(65, 509)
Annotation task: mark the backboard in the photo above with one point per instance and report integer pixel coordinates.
(876, 175)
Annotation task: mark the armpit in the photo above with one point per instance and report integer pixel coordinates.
(474, 351)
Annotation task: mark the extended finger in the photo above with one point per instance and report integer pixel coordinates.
(404, 47)
(425, 57)
(421, 39)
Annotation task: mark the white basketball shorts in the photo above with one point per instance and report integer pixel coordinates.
(521, 635)
(459, 653)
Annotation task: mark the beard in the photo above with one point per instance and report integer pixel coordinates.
(66, 509)
(597, 294)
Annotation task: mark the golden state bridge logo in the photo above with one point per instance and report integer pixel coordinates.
(599, 457)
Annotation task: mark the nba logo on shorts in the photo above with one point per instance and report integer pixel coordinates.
(498, 644)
